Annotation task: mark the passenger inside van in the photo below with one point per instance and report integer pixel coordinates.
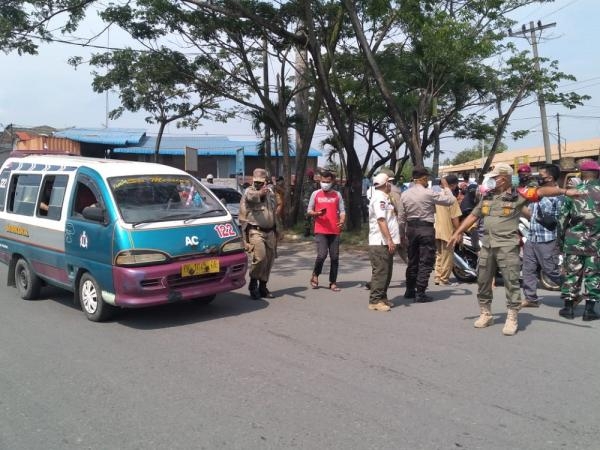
(85, 197)
(45, 199)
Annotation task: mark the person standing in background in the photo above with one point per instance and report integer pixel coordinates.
(308, 187)
(326, 206)
(541, 247)
(447, 219)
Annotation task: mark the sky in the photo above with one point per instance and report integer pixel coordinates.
(45, 90)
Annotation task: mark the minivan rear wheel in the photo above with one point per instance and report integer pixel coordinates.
(27, 282)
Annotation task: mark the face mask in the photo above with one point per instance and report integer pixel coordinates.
(542, 181)
(490, 184)
(326, 186)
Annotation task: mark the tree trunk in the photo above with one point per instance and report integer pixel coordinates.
(161, 129)
(388, 97)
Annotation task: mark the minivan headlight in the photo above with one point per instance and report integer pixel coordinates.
(140, 257)
(235, 245)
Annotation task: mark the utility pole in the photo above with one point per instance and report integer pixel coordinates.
(558, 134)
(532, 30)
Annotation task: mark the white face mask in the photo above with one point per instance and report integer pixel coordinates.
(326, 186)
(490, 184)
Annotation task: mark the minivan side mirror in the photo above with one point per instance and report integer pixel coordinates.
(94, 213)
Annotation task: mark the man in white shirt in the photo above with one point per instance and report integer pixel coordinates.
(384, 236)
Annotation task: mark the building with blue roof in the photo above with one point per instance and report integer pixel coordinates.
(217, 155)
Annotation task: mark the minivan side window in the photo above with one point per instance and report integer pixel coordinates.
(84, 197)
(23, 193)
(52, 195)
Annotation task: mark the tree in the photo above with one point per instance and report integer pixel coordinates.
(162, 83)
(23, 23)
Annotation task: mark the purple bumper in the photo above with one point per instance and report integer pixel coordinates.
(146, 286)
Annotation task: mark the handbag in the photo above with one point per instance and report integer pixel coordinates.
(548, 221)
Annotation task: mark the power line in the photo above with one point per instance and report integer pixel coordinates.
(560, 9)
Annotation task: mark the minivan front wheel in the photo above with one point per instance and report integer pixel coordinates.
(90, 297)
(27, 282)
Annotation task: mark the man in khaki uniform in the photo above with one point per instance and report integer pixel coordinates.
(500, 210)
(258, 221)
(446, 221)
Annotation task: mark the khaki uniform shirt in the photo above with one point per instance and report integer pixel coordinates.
(443, 220)
(500, 214)
(258, 211)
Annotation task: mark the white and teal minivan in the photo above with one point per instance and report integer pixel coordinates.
(116, 233)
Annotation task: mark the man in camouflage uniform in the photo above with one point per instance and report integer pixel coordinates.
(579, 232)
(258, 221)
(310, 185)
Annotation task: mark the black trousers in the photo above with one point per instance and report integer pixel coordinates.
(327, 243)
(421, 256)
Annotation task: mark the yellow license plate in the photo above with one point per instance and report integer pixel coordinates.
(192, 269)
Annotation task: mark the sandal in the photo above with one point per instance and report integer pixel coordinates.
(334, 287)
(314, 282)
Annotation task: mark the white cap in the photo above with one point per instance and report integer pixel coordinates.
(209, 176)
(380, 179)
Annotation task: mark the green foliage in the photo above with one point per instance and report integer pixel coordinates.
(161, 83)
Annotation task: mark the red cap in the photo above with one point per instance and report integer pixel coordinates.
(589, 165)
(310, 173)
(524, 168)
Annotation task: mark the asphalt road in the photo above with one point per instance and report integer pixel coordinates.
(310, 369)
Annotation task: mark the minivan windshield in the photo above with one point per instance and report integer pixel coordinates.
(157, 198)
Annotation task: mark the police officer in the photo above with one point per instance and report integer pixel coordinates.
(500, 208)
(579, 230)
(416, 211)
(258, 221)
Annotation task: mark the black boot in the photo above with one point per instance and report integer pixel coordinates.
(421, 297)
(410, 292)
(567, 311)
(253, 287)
(588, 312)
(264, 292)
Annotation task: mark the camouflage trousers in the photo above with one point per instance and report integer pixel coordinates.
(581, 271)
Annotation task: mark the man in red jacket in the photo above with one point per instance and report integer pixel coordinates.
(327, 207)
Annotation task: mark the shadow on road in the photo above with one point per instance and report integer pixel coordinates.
(169, 315)
(185, 313)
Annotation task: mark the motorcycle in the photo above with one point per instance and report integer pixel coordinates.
(465, 261)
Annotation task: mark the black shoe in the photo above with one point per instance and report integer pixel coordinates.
(589, 313)
(423, 298)
(253, 288)
(410, 294)
(567, 312)
(264, 292)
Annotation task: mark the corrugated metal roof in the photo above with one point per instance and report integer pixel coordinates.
(534, 156)
(107, 136)
(205, 145)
